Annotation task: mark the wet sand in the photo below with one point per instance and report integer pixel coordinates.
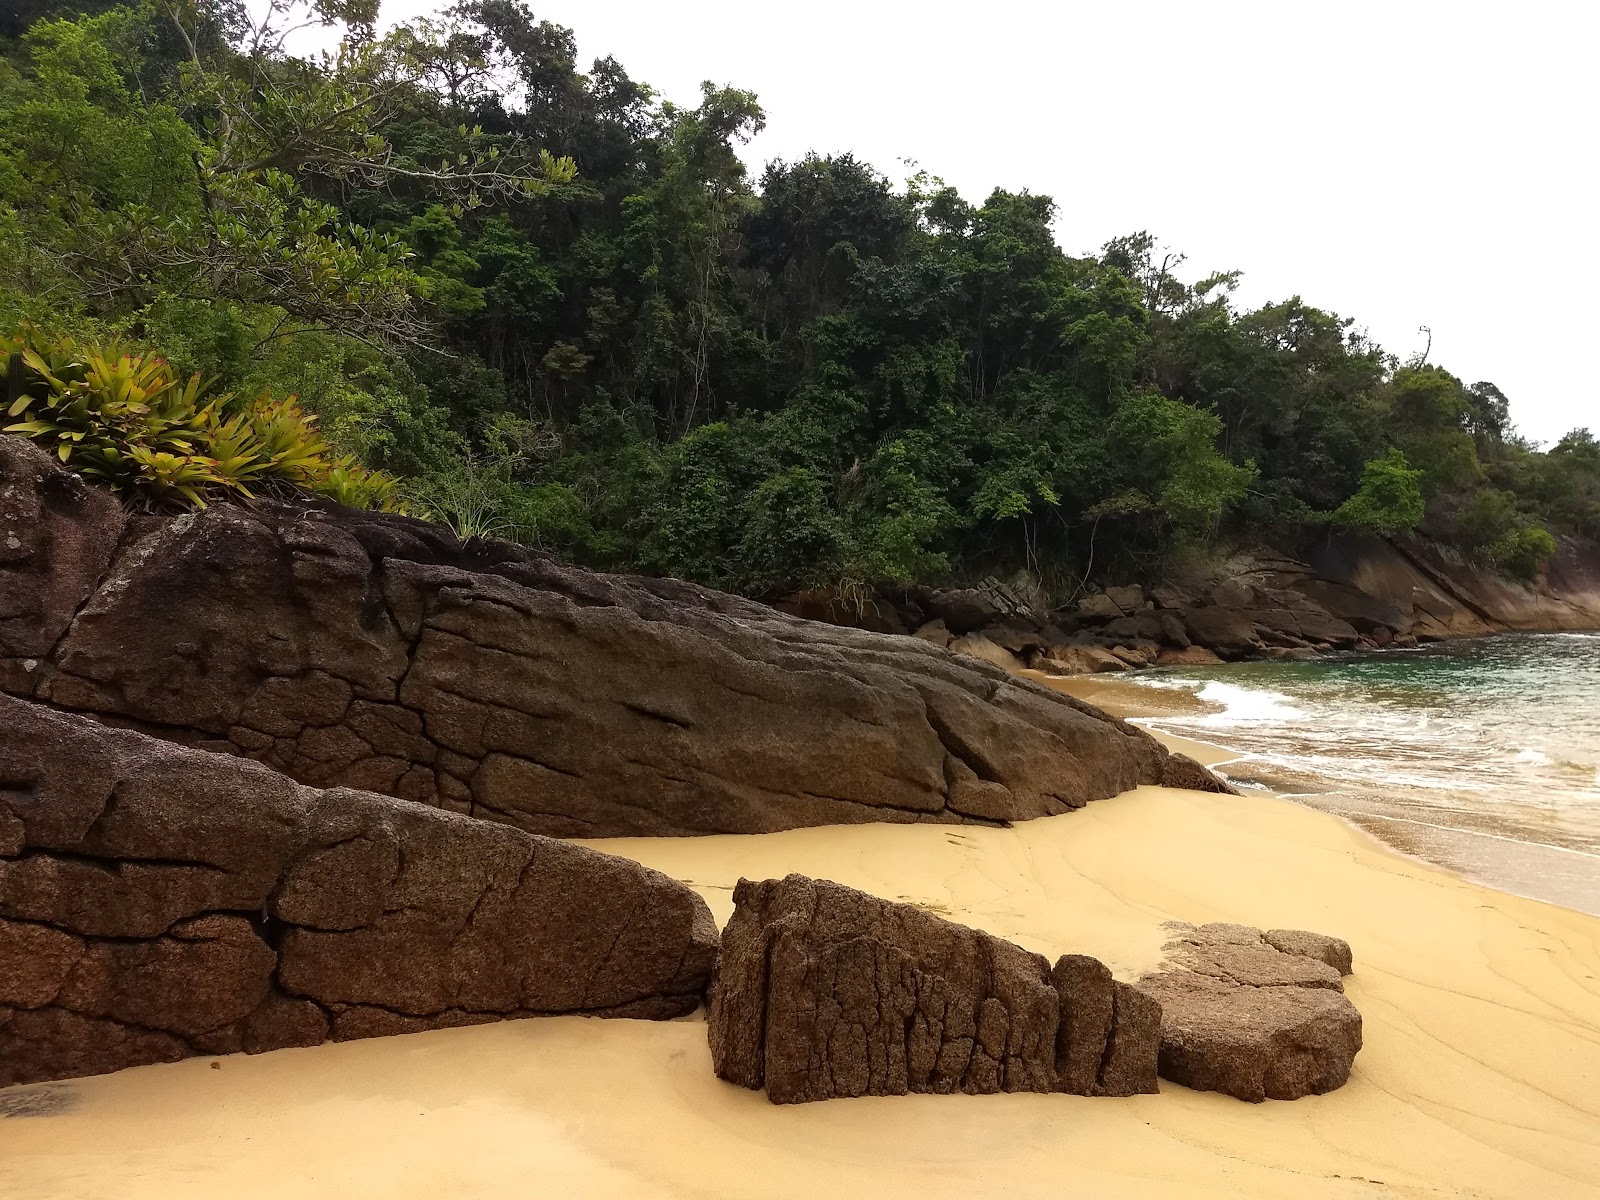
(1480, 1076)
(1517, 843)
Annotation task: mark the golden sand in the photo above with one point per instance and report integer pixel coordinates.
(1480, 1076)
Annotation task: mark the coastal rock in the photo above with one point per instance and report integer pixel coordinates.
(837, 608)
(374, 651)
(979, 646)
(1079, 660)
(57, 536)
(964, 610)
(158, 902)
(1181, 771)
(1228, 631)
(823, 991)
(1193, 656)
(1099, 607)
(1255, 1016)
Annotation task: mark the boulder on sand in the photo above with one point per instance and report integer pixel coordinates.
(1260, 1017)
(823, 991)
(158, 902)
(379, 652)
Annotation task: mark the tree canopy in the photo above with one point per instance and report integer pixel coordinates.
(555, 304)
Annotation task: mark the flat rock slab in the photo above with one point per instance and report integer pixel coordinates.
(158, 902)
(824, 992)
(1257, 1016)
(378, 652)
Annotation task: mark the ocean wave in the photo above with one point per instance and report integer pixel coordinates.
(1245, 706)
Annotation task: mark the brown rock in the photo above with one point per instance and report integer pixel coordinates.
(1099, 607)
(1129, 598)
(1243, 1017)
(839, 608)
(378, 652)
(1193, 656)
(979, 646)
(161, 901)
(1137, 654)
(1228, 631)
(1109, 1034)
(935, 632)
(1181, 771)
(1331, 950)
(1079, 660)
(57, 536)
(823, 992)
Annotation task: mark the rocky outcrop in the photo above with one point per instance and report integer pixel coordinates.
(1257, 1016)
(823, 992)
(378, 652)
(1351, 592)
(158, 902)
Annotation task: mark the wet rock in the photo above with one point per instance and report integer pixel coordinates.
(1244, 1017)
(825, 992)
(373, 651)
(158, 902)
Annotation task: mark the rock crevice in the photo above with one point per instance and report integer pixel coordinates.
(377, 652)
(158, 901)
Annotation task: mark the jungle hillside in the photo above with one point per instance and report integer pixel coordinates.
(446, 269)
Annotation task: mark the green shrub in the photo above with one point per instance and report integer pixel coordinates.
(128, 420)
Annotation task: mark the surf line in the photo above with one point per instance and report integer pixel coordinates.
(1499, 837)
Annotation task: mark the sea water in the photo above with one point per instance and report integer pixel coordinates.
(1480, 754)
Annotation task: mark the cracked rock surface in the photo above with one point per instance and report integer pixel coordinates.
(1260, 1016)
(158, 902)
(823, 992)
(372, 651)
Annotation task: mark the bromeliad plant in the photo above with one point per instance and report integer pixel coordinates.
(128, 420)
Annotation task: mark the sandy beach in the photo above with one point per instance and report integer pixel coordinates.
(1480, 1074)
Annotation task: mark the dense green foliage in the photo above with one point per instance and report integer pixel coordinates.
(556, 305)
(129, 421)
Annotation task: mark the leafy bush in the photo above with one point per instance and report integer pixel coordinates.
(128, 420)
(1389, 500)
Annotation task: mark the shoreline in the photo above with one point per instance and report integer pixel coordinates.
(1482, 1048)
(1477, 848)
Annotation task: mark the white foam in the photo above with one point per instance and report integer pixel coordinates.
(1246, 706)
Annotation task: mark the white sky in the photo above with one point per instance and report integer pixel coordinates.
(1404, 163)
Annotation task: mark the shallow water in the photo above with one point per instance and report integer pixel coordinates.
(1480, 754)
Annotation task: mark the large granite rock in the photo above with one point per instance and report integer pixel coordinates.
(823, 991)
(158, 902)
(378, 652)
(1257, 1016)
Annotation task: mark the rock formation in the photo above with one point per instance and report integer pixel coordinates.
(1354, 592)
(1258, 1016)
(823, 991)
(158, 902)
(373, 651)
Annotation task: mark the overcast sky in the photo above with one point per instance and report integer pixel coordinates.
(1402, 163)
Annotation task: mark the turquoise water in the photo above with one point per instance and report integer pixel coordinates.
(1481, 754)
